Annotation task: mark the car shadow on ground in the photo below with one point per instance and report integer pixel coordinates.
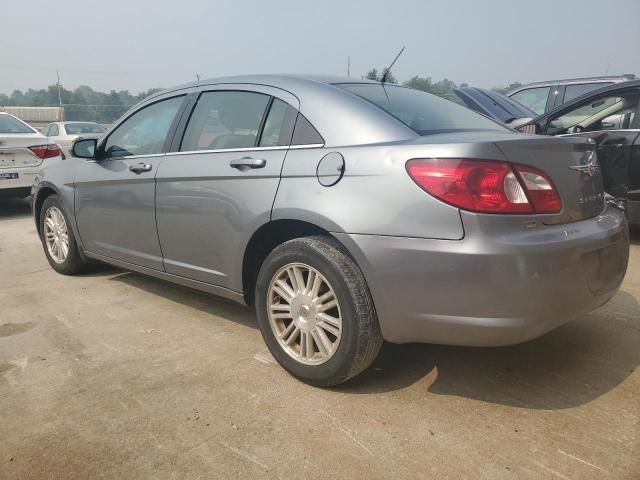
(14, 207)
(567, 367)
(570, 366)
(187, 296)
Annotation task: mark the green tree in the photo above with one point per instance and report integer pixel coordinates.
(508, 88)
(374, 75)
(443, 88)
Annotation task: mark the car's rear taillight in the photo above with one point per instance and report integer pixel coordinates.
(46, 151)
(486, 186)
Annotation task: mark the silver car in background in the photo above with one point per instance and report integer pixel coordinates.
(23, 153)
(65, 133)
(346, 211)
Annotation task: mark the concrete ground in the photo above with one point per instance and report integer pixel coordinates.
(118, 375)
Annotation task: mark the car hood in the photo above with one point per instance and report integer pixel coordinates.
(495, 105)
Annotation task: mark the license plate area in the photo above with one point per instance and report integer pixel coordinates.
(9, 176)
(7, 160)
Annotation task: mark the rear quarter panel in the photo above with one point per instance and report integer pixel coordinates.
(375, 196)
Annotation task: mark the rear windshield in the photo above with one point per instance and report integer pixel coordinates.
(424, 113)
(78, 128)
(11, 125)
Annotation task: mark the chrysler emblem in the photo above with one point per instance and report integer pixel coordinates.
(588, 168)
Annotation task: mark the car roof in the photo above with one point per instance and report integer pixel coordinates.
(493, 104)
(570, 81)
(341, 117)
(274, 80)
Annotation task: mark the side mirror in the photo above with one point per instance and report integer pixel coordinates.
(85, 148)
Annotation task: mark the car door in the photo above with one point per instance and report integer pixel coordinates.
(53, 132)
(115, 194)
(610, 120)
(218, 184)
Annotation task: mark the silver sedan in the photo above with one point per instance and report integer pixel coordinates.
(65, 133)
(346, 212)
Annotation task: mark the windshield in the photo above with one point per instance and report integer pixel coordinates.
(424, 113)
(9, 124)
(80, 128)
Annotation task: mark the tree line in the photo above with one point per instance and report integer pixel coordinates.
(443, 88)
(85, 103)
(82, 103)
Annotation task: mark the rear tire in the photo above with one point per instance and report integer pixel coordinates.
(315, 311)
(58, 241)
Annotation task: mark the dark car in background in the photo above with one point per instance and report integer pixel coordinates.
(609, 116)
(542, 97)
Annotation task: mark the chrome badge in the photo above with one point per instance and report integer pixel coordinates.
(588, 168)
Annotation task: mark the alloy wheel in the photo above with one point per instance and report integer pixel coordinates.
(56, 235)
(304, 313)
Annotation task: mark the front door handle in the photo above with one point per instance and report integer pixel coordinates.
(140, 167)
(247, 163)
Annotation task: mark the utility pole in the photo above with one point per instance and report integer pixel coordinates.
(348, 66)
(59, 96)
(198, 76)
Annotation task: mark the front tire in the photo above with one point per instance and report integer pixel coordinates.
(60, 246)
(315, 311)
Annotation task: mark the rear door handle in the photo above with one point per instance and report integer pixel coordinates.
(247, 163)
(140, 167)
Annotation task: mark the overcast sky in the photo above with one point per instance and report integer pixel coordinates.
(138, 44)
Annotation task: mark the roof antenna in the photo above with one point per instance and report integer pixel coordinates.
(388, 69)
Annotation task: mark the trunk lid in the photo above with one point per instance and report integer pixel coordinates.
(14, 149)
(572, 165)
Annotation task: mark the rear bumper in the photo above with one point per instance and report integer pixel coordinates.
(493, 287)
(26, 175)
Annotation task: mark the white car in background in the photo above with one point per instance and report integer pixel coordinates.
(65, 133)
(23, 153)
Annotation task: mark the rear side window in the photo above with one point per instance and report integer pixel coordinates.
(574, 91)
(81, 128)
(53, 131)
(279, 125)
(226, 120)
(424, 113)
(305, 134)
(9, 124)
(534, 98)
(144, 132)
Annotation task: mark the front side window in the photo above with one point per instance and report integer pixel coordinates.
(591, 116)
(424, 113)
(144, 132)
(574, 91)
(534, 98)
(8, 124)
(225, 120)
